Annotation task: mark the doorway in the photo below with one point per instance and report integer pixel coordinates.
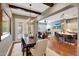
(19, 30)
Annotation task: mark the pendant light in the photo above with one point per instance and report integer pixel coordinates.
(29, 21)
(30, 12)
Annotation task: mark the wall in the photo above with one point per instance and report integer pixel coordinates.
(23, 20)
(42, 27)
(72, 25)
(55, 30)
(5, 43)
(27, 27)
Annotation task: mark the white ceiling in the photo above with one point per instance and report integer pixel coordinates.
(39, 7)
(23, 13)
(69, 13)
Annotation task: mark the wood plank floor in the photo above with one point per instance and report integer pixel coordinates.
(63, 49)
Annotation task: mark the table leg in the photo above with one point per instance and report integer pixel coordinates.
(27, 51)
(23, 51)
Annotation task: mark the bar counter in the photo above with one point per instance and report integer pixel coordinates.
(64, 43)
(63, 49)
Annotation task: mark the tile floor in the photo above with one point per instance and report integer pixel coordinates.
(17, 51)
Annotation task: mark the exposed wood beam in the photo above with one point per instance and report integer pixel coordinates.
(49, 4)
(12, 6)
(20, 16)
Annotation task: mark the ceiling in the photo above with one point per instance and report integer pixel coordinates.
(24, 8)
(67, 14)
(23, 13)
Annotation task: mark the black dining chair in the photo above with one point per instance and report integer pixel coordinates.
(71, 39)
(23, 46)
(26, 47)
(57, 36)
(61, 38)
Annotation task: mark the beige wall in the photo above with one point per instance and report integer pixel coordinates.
(71, 25)
(27, 27)
(21, 19)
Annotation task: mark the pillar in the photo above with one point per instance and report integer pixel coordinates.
(0, 22)
(78, 31)
(29, 27)
(35, 29)
(77, 5)
(13, 27)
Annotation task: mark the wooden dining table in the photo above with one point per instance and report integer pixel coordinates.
(30, 42)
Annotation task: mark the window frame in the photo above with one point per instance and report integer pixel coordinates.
(6, 34)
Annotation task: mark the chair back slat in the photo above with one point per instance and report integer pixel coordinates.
(23, 42)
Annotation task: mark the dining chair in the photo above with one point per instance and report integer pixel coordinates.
(71, 39)
(23, 46)
(40, 48)
(56, 36)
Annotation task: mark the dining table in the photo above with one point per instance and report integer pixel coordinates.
(30, 42)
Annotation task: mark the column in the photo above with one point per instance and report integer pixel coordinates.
(78, 31)
(13, 28)
(0, 22)
(29, 28)
(77, 5)
(35, 29)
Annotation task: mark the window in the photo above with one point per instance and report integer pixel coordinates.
(20, 28)
(5, 25)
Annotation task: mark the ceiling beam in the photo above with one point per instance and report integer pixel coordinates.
(16, 7)
(23, 16)
(49, 4)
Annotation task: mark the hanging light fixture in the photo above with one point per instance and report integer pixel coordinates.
(30, 12)
(30, 20)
